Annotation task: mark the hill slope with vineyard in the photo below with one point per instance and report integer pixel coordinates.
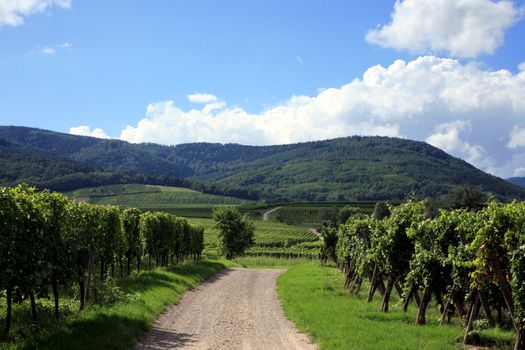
(351, 168)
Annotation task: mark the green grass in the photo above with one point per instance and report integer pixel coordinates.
(269, 262)
(141, 299)
(313, 298)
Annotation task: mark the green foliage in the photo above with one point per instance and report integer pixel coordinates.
(462, 254)
(134, 237)
(347, 212)
(125, 310)
(48, 242)
(353, 168)
(381, 210)
(328, 249)
(469, 197)
(236, 231)
(354, 243)
(394, 249)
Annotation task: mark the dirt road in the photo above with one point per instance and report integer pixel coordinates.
(266, 215)
(237, 309)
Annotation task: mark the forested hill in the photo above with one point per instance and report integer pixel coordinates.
(520, 181)
(340, 169)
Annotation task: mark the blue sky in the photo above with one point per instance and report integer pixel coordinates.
(272, 71)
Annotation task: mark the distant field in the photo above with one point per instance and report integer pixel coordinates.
(176, 200)
(271, 238)
(312, 214)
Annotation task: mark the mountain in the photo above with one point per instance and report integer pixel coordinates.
(520, 181)
(333, 170)
(45, 169)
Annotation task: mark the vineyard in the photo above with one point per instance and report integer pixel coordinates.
(271, 238)
(471, 264)
(52, 245)
(314, 213)
(149, 196)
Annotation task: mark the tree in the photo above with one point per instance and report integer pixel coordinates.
(347, 212)
(469, 197)
(235, 230)
(381, 210)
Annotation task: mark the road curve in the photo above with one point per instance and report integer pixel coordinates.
(236, 309)
(266, 215)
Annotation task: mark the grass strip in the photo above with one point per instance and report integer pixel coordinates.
(122, 324)
(314, 299)
(259, 262)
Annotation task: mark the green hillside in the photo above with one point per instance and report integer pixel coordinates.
(344, 169)
(520, 181)
(175, 200)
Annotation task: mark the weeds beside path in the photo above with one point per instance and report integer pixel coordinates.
(121, 325)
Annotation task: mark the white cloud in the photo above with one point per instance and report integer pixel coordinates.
(210, 102)
(462, 28)
(51, 50)
(519, 172)
(517, 137)
(511, 167)
(12, 12)
(447, 137)
(202, 98)
(84, 130)
(404, 99)
(65, 45)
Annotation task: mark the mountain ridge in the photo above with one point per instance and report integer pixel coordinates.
(350, 168)
(517, 180)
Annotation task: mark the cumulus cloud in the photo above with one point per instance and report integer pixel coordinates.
(517, 137)
(447, 137)
(210, 102)
(12, 12)
(84, 130)
(465, 109)
(461, 28)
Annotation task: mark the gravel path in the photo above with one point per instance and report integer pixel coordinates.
(236, 309)
(266, 215)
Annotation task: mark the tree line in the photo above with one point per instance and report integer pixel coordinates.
(472, 263)
(50, 243)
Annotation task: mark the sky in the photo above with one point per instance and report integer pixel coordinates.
(448, 72)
